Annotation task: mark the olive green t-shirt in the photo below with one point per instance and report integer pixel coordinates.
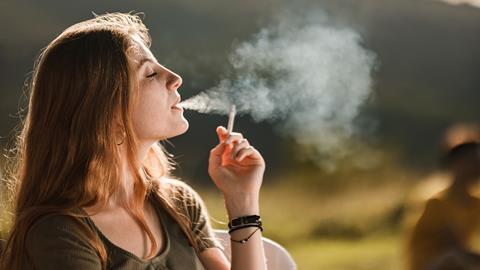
(57, 241)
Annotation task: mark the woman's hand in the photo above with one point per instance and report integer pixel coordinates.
(237, 170)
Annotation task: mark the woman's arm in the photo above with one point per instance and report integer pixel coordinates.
(248, 255)
(214, 259)
(237, 170)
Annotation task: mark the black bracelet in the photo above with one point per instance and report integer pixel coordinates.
(245, 226)
(243, 241)
(255, 219)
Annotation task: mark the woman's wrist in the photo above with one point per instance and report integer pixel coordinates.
(242, 204)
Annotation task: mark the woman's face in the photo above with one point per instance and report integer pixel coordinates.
(156, 114)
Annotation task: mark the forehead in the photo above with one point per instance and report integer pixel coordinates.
(138, 53)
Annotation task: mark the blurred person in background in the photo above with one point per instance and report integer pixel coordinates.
(442, 236)
(440, 179)
(93, 188)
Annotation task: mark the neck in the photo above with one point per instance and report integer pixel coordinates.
(124, 193)
(460, 186)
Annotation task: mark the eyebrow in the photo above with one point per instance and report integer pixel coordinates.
(143, 61)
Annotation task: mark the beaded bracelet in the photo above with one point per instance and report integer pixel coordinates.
(243, 241)
(246, 226)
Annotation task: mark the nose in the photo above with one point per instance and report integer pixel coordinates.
(174, 81)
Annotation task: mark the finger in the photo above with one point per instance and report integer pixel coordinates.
(216, 154)
(234, 137)
(218, 150)
(224, 136)
(222, 133)
(247, 152)
(237, 146)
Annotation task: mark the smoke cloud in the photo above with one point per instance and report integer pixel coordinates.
(304, 75)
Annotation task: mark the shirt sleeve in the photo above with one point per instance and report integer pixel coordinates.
(57, 242)
(190, 202)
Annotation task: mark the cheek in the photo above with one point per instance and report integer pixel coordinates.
(149, 114)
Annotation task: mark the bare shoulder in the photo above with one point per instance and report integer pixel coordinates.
(435, 204)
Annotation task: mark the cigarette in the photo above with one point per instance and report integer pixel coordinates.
(231, 118)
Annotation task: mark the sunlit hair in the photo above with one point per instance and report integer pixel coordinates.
(83, 85)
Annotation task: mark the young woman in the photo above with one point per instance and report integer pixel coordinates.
(93, 185)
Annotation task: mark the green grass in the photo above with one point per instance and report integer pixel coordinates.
(357, 227)
(378, 252)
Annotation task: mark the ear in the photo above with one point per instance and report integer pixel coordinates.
(118, 126)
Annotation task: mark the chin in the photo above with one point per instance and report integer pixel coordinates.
(179, 130)
(184, 128)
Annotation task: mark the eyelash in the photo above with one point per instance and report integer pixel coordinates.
(152, 75)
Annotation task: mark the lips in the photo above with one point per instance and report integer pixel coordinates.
(176, 105)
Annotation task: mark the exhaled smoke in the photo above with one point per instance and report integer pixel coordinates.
(308, 78)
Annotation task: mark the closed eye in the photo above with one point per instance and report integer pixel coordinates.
(152, 75)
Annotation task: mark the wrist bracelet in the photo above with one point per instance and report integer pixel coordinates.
(253, 219)
(245, 226)
(243, 241)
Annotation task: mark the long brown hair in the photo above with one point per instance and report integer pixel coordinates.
(67, 157)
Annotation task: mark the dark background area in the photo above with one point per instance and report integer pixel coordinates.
(427, 75)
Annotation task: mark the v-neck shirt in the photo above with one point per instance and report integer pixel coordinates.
(58, 242)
